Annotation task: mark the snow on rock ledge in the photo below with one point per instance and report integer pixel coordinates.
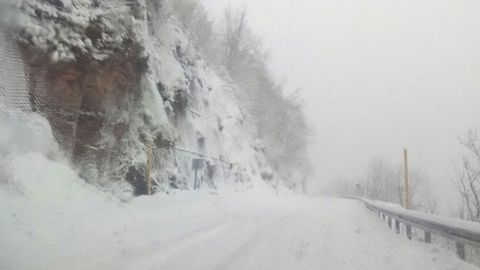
(69, 29)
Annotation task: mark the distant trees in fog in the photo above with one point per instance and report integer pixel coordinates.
(467, 178)
(386, 183)
(383, 181)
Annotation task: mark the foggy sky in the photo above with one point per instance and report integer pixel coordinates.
(378, 76)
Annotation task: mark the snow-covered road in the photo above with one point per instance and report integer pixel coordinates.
(321, 234)
(311, 233)
(199, 230)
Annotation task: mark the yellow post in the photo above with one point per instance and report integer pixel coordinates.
(407, 199)
(149, 168)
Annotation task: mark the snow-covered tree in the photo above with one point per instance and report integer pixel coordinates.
(386, 183)
(467, 177)
(277, 118)
(382, 182)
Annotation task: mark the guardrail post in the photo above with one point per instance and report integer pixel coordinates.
(428, 237)
(397, 226)
(409, 232)
(390, 222)
(461, 250)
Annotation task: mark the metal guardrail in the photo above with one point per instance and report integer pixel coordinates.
(460, 231)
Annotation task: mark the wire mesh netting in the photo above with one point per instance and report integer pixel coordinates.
(24, 88)
(13, 80)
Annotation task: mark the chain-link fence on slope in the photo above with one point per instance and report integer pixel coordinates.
(23, 89)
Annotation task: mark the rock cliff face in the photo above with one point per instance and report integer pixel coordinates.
(119, 81)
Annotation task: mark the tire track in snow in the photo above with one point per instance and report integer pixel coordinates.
(249, 254)
(158, 250)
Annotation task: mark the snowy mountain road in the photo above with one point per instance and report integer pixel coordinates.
(318, 234)
(201, 230)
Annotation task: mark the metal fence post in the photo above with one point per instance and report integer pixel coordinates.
(409, 232)
(461, 250)
(428, 237)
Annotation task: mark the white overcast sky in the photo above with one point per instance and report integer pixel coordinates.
(378, 76)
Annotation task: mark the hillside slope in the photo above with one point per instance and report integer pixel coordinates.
(117, 80)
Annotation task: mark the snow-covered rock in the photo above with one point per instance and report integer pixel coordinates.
(130, 80)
